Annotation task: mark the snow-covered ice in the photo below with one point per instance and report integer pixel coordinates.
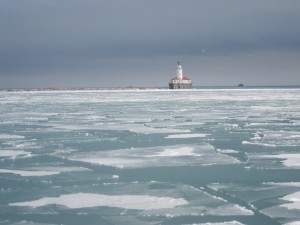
(43, 171)
(220, 223)
(191, 155)
(11, 136)
(84, 200)
(289, 160)
(294, 200)
(14, 153)
(187, 135)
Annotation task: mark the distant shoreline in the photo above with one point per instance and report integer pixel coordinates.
(81, 89)
(146, 88)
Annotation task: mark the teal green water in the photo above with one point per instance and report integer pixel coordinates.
(202, 156)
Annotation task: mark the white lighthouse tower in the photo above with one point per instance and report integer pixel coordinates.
(180, 81)
(179, 71)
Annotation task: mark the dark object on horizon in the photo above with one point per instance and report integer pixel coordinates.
(180, 81)
(241, 85)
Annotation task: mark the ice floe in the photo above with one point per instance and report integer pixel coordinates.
(11, 136)
(187, 135)
(227, 151)
(172, 152)
(289, 184)
(24, 222)
(177, 155)
(115, 176)
(25, 173)
(289, 160)
(14, 153)
(267, 197)
(220, 223)
(294, 200)
(136, 128)
(293, 223)
(152, 199)
(43, 171)
(258, 143)
(275, 138)
(84, 200)
(271, 161)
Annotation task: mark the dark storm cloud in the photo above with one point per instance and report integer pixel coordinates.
(64, 38)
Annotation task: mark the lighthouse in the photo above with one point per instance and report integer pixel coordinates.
(180, 81)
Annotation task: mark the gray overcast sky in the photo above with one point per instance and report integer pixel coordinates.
(112, 43)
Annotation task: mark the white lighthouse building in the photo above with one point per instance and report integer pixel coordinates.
(180, 81)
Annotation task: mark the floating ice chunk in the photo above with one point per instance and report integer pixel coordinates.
(115, 177)
(152, 130)
(258, 143)
(26, 145)
(44, 171)
(87, 200)
(227, 151)
(182, 151)
(111, 161)
(294, 199)
(25, 173)
(13, 153)
(289, 184)
(289, 160)
(11, 136)
(221, 223)
(293, 223)
(187, 135)
(24, 222)
(258, 136)
(275, 138)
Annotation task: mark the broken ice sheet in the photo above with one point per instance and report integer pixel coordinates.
(152, 198)
(176, 155)
(277, 200)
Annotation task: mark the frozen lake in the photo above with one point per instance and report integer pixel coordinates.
(200, 156)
